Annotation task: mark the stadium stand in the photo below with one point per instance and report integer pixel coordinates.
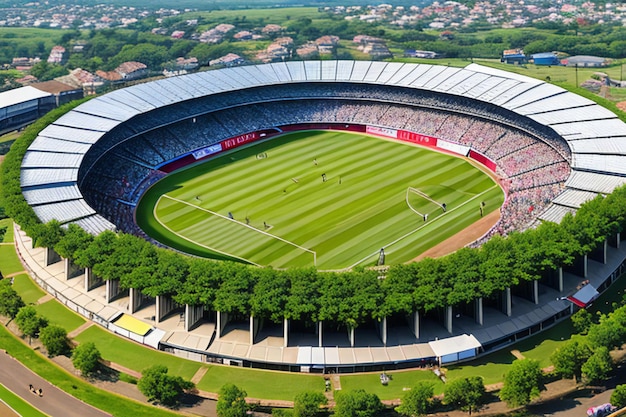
(554, 150)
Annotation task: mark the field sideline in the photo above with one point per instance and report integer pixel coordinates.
(329, 199)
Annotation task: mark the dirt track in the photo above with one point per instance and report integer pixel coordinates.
(464, 237)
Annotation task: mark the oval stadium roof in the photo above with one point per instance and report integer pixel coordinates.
(588, 128)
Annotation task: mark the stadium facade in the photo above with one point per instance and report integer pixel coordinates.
(554, 150)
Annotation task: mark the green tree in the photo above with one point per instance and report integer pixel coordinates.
(357, 403)
(466, 393)
(569, 358)
(307, 404)
(10, 300)
(231, 401)
(29, 322)
(597, 366)
(618, 397)
(55, 340)
(86, 358)
(417, 401)
(74, 240)
(582, 321)
(522, 383)
(157, 385)
(49, 234)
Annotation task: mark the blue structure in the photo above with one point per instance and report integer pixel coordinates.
(545, 58)
(514, 56)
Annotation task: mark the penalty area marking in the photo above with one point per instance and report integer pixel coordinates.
(231, 220)
(193, 241)
(420, 227)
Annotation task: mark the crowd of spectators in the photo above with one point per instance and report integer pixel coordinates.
(533, 164)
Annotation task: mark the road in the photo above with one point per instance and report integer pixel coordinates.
(54, 402)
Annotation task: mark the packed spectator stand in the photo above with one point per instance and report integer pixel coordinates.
(113, 146)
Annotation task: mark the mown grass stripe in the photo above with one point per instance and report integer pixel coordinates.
(344, 223)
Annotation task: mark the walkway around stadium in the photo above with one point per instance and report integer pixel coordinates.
(235, 344)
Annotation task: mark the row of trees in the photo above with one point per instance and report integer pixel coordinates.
(86, 357)
(156, 384)
(306, 294)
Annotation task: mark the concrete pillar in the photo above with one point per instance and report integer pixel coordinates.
(604, 251)
(222, 320)
(383, 331)
(536, 291)
(66, 268)
(449, 319)
(319, 334)
(560, 279)
(351, 335)
(585, 263)
(478, 311)
(159, 310)
(135, 299)
(416, 324)
(251, 329)
(50, 256)
(188, 319)
(619, 236)
(285, 332)
(87, 279)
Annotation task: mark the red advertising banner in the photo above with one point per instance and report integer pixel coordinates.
(239, 140)
(417, 138)
(479, 157)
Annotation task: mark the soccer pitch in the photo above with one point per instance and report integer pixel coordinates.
(325, 199)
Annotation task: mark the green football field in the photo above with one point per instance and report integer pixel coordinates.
(325, 199)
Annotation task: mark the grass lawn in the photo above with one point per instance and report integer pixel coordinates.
(131, 355)
(111, 403)
(9, 262)
(18, 404)
(8, 235)
(541, 346)
(60, 315)
(261, 384)
(27, 289)
(333, 198)
(491, 367)
(400, 381)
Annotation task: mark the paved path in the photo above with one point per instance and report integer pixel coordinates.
(16, 377)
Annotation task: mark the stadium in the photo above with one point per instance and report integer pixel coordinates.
(547, 150)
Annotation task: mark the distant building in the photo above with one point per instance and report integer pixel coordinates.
(375, 47)
(90, 83)
(23, 63)
(326, 44)
(63, 93)
(412, 53)
(545, 58)
(243, 35)
(271, 29)
(178, 34)
(126, 71)
(307, 51)
(514, 56)
(22, 106)
(57, 55)
(228, 60)
(586, 61)
(132, 70)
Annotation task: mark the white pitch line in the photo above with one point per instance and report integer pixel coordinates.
(242, 224)
(193, 241)
(421, 227)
